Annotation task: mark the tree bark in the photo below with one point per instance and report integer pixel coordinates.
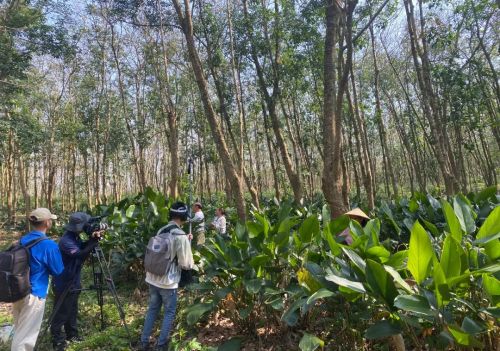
(332, 100)
(186, 24)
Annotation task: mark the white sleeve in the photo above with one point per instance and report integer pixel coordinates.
(222, 225)
(184, 254)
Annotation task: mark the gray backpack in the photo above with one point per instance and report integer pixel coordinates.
(160, 256)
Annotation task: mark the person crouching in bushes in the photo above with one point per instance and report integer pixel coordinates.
(357, 215)
(167, 254)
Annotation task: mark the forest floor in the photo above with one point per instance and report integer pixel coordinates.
(204, 337)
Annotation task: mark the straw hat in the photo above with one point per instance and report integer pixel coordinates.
(357, 213)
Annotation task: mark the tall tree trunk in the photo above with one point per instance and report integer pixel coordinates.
(378, 117)
(332, 102)
(429, 98)
(186, 24)
(271, 102)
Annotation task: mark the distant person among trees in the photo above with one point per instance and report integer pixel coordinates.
(168, 253)
(359, 216)
(45, 259)
(198, 221)
(219, 222)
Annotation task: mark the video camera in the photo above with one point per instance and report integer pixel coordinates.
(95, 224)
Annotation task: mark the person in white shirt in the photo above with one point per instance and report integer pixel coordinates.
(198, 221)
(219, 223)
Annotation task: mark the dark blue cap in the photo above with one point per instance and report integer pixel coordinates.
(77, 221)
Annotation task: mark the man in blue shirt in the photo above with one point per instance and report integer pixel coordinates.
(45, 259)
(67, 286)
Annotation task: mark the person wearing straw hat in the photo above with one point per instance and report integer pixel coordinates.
(357, 215)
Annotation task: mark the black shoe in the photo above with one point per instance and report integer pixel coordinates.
(61, 346)
(143, 347)
(75, 338)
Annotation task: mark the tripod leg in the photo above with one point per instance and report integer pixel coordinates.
(112, 288)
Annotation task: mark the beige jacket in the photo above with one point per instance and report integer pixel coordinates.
(182, 250)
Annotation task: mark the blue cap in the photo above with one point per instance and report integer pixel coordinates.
(77, 221)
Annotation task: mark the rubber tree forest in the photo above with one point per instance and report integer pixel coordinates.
(347, 100)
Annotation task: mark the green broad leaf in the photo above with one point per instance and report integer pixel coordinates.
(413, 206)
(491, 268)
(310, 342)
(372, 231)
(195, 312)
(355, 258)
(430, 227)
(264, 223)
(163, 214)
(387, 211)
(450, 263)
(486, 239)
(379, 252)
(492, 311)
(458, 279)
(491, 226)
(276, 303)
(130, 211)
(356, 230)
(233, 344)
(463, 338)
(485, 194)
(453, 223)
(433, 202)
(307, 280)
(398, 260)
(491, 286)
(309, 229)
(381, 282)
(334, 246)
(414, 303)
(349, 295)
(470, 326)
(356, 286)
(154, 208)
(464, 213)
(287, 224)
(325, 213)
(253, 286)
(259, 260)
(338, 225)
(441, 288)
(382, 329)
(320, 294)
(398, 280)
(240, 231)
(291, 315)
(420, 253)
(254, 229)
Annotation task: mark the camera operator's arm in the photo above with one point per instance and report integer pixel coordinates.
(71, 249)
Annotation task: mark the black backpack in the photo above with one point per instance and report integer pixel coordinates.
(15, 271)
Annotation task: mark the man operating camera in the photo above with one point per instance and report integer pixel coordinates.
(67, 286)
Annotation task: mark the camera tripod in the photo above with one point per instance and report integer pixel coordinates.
(102, 274)
(102, 281)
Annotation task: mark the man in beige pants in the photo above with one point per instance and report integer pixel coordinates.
(45, 259)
